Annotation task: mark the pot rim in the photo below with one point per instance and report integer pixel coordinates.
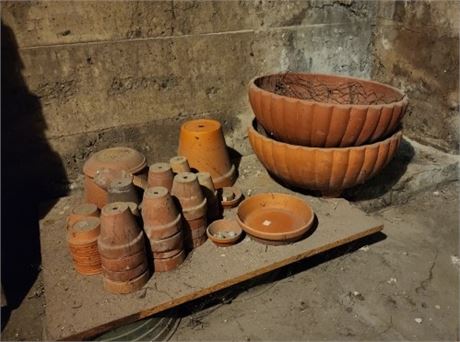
(277, 236)
(224, 241)
(403, 101)
(252, 130)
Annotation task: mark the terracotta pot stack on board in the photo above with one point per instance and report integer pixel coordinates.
(187, 191)
(121, 245)
(324, 132)
(163, 226)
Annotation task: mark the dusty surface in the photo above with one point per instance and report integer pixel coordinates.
(78, 306)
(402, 287)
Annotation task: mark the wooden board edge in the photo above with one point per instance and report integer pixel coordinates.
(85, 335)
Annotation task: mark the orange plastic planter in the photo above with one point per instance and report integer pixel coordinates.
(202, 143)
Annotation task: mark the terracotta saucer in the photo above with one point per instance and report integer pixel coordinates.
(275, 216)
(231, 196)
(224, 232)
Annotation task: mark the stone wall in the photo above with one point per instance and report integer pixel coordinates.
(128, 73)
(416, 48)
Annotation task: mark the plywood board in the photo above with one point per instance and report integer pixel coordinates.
(77, 307)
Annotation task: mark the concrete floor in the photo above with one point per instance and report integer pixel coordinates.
(402, 285)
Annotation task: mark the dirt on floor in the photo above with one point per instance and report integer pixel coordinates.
(400, 285)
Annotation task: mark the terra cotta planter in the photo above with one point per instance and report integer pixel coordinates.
(329, 170)
(325, 110)
(160, 174)
(189, 194)
(202, 143)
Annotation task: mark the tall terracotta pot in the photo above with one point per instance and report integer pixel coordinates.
(202, 143)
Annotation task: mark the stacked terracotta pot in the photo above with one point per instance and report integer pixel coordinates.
(324, 132)
(187, 190)
(121, 245)
(163, 226)
(82, 234)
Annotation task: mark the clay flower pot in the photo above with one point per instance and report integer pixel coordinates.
(224, 232)
(211, 194)
(195, 232)
(125, 263)
(168, 254)
(168, 264)
(202, 143)
(125, 275)
(116, 158)
(82, 211)
(179, 164)
(275, 216)
(124, 287)
(325, 110)
(168, 244)
(120, 235)
(121, 189)
(329, 170)
(188, 191)
(161, 217)
(160, 174)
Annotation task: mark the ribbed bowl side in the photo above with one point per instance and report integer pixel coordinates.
(324, 169)
(315, 124)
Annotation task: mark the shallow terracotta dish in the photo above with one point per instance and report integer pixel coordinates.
(224, 232)
(325, 110)
(329, 170)
(275, 216)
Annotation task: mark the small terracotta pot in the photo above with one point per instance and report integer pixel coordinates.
(224, 232)
(88, 270)
(188, 191)
(231, 196)
(128, 286)
(125, 275)
(179, 164)
(202, 143)
(160, 174)
(207, 186)
(82, 211)
(111, 251)
(116, 158)
(125, 263)
(121, 189)
(158, 207)
(198, 223)
(118, 224)
(84, 231)
(168, 254)
(173, 242)
(197, 242)
(168, 264)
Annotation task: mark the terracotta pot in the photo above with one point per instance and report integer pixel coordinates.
(198, 223)
(125, 275)
(82, 211)
(84, 230)
(168, 254)
(120, 235)
(128, 286)
(179, 164)
(224, 232)
(275, 216)
(116, 158)
(168, 264)
(188, 191)
(207, 187)
(164, 245)
(125, 263)
(88, 270)
(231, 196)
(160, 174)
(325, 110)
(202, 143)
(329, 170)
(197, 233)
(121, 189)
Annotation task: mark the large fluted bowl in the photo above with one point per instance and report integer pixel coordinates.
(329, 170)
(324, 110)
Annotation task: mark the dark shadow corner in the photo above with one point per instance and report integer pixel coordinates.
(31, 173)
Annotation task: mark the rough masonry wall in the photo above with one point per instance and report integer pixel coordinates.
(417, 49)
(128, 73)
